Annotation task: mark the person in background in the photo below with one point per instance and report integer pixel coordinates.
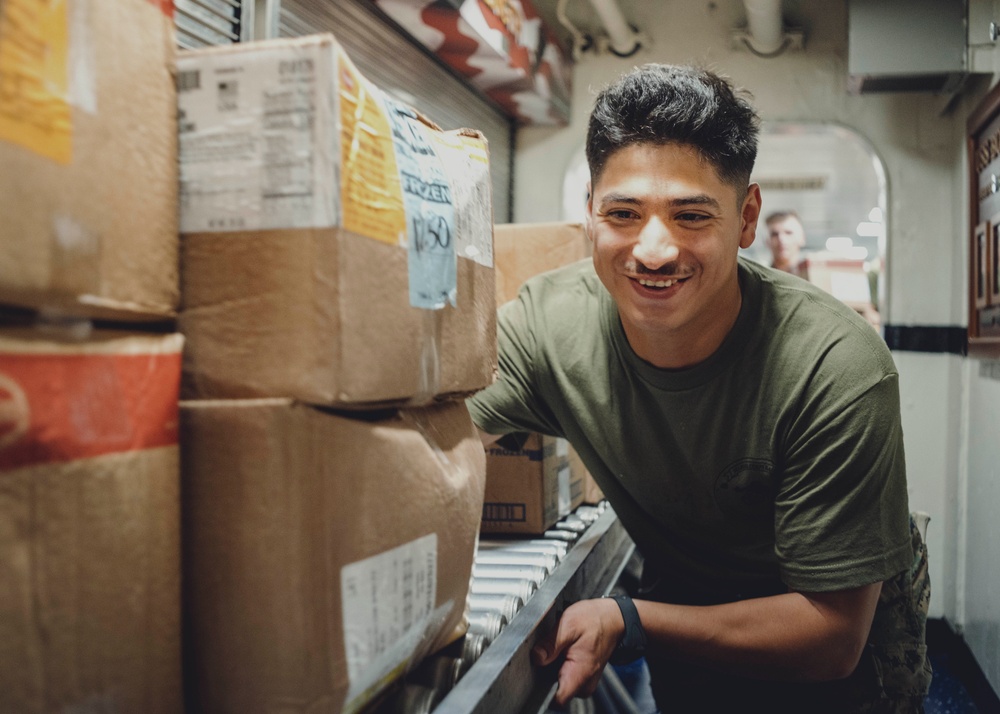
(744, 425)
(786, 238)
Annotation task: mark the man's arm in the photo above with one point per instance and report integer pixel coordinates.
(792, 636)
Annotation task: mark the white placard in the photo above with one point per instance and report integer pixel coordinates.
(388, 605)
(258, 145)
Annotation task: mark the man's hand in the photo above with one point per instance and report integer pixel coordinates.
(588, 633)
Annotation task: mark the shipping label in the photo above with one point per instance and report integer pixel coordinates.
(467, 160)
(257, 143)
(430, 210)
(370, 190)
(388, 610)
(565, 493)
(35, 110)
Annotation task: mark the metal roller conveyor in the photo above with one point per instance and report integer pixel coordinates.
(519, 587)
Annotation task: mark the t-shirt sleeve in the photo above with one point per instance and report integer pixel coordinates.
(513, 403)
(841, 513)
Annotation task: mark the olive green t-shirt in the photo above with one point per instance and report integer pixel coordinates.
(775, 464)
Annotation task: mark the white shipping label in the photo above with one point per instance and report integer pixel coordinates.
(385, 600)
(467, 162)
(258, 144)
(565, 496)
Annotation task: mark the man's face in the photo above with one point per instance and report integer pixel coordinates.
(785, 238)
(666, 232)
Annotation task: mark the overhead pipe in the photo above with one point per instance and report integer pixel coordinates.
(765, 34)
(624, 39)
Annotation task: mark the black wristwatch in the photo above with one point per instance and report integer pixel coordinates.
(633, 642)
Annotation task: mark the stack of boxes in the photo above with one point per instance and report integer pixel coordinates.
(90, 615)
(534, 481)
(338, 304)
(337, 295)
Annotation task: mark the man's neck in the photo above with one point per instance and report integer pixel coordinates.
(684, 348)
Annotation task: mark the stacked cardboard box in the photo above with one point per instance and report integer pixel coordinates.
(89, 507)
(337, 254)
(530, 488)
(337, 246)
(524, 250)
(592, 493)
(89, 465)
(88, 158)
(324, 554)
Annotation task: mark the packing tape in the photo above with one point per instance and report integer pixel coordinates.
(75, 258)
(429, 362)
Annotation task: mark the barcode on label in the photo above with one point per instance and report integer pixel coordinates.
(506, 512)
(188, 79)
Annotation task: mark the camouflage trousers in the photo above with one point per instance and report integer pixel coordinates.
(897, 644)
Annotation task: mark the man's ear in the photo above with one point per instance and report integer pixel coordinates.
(749, 215)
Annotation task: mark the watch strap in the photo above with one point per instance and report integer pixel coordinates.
(633, 642)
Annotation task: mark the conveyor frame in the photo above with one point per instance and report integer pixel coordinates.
(503, 680)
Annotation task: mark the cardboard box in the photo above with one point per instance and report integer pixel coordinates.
(88, 150)
(844, 278)
(530, 488)
(324, 259)
(90, 616)
(591, 492)
(323, 554)
(529, 249)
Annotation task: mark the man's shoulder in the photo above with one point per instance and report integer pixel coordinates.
(805, 320)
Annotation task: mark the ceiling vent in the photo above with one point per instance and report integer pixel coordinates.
(906, 46)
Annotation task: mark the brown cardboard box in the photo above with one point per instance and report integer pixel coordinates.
(313, 540)
(529, 489)
(89, 524)
(590, 492)
(88, 158)
(525, 250)
(844, 278)
(320, 277)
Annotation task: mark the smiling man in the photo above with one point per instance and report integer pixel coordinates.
(744, 425)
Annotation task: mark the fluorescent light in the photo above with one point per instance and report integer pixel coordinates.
(839, 244)
(867, 228)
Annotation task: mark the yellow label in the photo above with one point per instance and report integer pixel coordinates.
(34, 82)
(370, 191)
(476, 148)
(471, 146)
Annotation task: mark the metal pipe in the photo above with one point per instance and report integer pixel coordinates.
(764, 25)
(623, 39)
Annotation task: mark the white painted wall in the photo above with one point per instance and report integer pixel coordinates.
(923, 155)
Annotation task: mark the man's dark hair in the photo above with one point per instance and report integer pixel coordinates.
(780, 216)
(666, 104)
